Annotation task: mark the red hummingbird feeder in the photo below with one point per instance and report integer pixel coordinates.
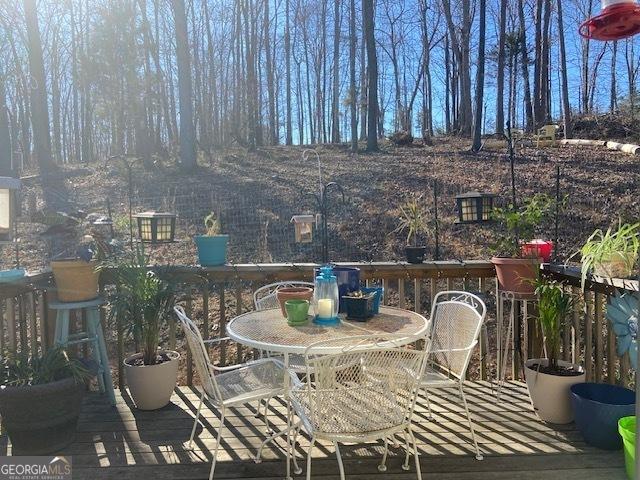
(618, 19)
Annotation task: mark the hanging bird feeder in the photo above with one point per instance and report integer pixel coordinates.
(8, 207)
(618, 19)
(303, 225)
(156, 227)
(474, 207)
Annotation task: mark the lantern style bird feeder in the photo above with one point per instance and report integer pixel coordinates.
(303, 225)
(156, 227)
(618, 19)
(8, 207)
(474, 207)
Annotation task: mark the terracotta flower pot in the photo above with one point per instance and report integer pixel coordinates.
(151, 386)
(293, 293)
(517, 274)
(76, 280)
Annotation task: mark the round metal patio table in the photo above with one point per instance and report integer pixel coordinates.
(268, 330)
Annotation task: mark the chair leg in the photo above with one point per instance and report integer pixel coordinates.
(215, 450)
(313, 441)
(473, 434)
(407, 450)
(195, 420)
(416, 457)
(266, 414)
(340, 466)
(383, 464)
(426, 397)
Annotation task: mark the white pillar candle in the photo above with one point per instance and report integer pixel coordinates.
(325, 308)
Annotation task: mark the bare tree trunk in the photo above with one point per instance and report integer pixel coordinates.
(566, 109)
(352, 76)
(187, 129)
(335, 112)
(273, 137)
(525, 68)
(613, 90)
(372, 77)
(363, 102)
(287, 59)
(39, 105)
(6, 164)
(477, 130)
(500, 72)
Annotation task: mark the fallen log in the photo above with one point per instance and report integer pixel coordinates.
(624, 147)
(582, 141)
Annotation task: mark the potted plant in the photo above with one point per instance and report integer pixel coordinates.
(212, 247)
(40, 400)
(516, 271)
(76, 271)
(141, 304)
(413, 221)
(611, 254)
(549, 380)
(359, 305)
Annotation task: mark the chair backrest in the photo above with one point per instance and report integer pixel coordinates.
(199, 354)
(369, 385)
(265, 298)
(456, 321)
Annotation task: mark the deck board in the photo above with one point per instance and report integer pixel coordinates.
(122, 443)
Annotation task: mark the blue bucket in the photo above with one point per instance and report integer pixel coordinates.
(597, 408)
(379, 291)
(212, 251)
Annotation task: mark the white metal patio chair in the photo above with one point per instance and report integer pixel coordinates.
(366, 392)
(231, 386)
(456, 320)
(265, 298)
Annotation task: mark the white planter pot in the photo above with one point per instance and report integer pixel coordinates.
(151, 386)
(550, 393)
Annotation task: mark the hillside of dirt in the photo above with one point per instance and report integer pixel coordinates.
(256, 193)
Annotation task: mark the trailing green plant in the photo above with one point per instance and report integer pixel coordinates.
(141, 303)
(600, 247)
(212, 225)
(21, 370)
(520, 223)
(413, 220)
(554, 304)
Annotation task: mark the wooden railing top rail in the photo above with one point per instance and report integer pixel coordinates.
(571, 275)
(279, 271)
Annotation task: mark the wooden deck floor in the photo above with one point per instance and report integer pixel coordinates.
(123, 443)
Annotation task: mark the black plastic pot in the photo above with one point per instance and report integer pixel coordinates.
(415, 254)
(597, 408)
(41, 419)
(360, 308)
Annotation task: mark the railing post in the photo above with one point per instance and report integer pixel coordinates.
(223, 326)
(10, 315)
(588, 335)
(401, 297)
(599, 337)
(189, 312)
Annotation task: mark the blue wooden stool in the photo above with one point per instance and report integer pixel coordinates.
(93, 335)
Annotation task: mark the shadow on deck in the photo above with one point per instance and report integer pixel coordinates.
(124, 443)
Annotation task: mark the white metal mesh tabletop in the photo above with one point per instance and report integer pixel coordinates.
(268, 330)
